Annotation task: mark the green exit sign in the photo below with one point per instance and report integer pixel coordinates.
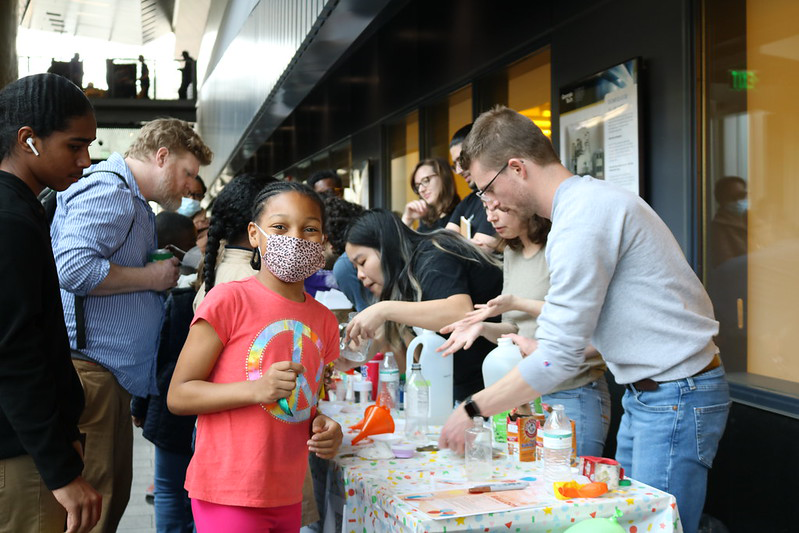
(743, 80)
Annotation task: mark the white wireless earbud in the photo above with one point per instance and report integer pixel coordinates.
(30, 143)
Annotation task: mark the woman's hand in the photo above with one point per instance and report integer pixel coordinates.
(494, 307)
(278, 381)
(326, 437)
(481, 312)
(414, 210)
(366, 323)
(527, 346)
(462, 337)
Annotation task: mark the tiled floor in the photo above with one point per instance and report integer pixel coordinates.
(139, 517)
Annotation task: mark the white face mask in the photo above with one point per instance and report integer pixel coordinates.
(291, 259)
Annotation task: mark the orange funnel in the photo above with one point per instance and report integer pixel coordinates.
(359, 425)
(377, 421)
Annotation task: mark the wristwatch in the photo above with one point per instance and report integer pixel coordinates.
(471, 408)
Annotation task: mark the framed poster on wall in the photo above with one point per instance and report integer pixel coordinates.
(599, 126)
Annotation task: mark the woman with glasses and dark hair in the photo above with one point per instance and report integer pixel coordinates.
(433, 181)
(426, 280)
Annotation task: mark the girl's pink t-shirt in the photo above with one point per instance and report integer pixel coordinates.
(256, 456)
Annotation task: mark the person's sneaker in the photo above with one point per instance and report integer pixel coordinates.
(149, 494)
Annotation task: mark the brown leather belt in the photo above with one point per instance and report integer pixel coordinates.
(649, 385)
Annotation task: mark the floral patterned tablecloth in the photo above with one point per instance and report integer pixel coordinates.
(365, 495)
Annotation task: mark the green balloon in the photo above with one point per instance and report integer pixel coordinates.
(598, 525)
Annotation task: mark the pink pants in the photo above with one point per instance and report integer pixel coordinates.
(215, 518)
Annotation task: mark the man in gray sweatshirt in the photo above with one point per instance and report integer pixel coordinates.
(620, 282)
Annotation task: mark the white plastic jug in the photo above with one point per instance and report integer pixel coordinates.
(500, 361)
(437, 370)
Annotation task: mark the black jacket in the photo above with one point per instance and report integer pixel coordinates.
(170, 432)
(41, 398)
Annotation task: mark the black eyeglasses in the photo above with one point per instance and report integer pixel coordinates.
(482, 192)
(424, 182)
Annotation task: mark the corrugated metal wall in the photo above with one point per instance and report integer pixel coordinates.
(236, 90)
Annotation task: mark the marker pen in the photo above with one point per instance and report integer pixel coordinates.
(497, 487)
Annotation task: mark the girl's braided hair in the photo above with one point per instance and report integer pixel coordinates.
(230, 217)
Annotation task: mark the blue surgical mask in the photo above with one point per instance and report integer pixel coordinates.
(742, 206)
(738, 207)
(189, 207)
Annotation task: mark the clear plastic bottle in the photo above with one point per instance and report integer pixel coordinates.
(557, 442)
(417, 405)
(479, 451)
(388, 391)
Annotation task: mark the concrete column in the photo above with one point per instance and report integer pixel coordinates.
(8, 41)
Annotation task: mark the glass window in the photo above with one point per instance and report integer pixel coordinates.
(525, 86)
(403, 138)
(530, 89)
(337, 158)
(751, 206)
(444, 118)
(110, 140)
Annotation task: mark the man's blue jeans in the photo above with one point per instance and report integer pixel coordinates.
(589, 407)
(172, 504)
(668, 437)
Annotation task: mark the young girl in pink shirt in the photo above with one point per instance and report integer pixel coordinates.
(252, 343)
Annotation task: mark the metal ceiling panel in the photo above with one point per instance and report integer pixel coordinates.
(280, 54)
(122, 21)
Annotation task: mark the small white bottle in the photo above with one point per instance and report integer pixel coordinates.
(363, 393)
(557, 440)
(479, 451)
(417, 405)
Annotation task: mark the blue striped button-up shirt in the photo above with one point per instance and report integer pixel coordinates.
(99, 221)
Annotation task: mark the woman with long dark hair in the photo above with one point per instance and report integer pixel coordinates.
(433, 181)
(426, 280)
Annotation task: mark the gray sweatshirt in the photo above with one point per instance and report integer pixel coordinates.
(619, 281)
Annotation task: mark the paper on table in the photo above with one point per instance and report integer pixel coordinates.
(454, 503)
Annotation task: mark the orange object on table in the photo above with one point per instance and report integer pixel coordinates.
(368, 410)
(377, 421)
(571, 489)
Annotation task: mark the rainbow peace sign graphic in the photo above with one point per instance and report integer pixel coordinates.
(302, 397)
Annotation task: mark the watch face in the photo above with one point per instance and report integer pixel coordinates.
(471, 408)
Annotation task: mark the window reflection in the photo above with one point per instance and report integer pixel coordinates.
(752, 194)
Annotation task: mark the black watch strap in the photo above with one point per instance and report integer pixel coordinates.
(471, 408)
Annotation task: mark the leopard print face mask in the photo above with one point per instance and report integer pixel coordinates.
(291, 259)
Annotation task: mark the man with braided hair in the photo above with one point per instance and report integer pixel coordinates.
(46, 126)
